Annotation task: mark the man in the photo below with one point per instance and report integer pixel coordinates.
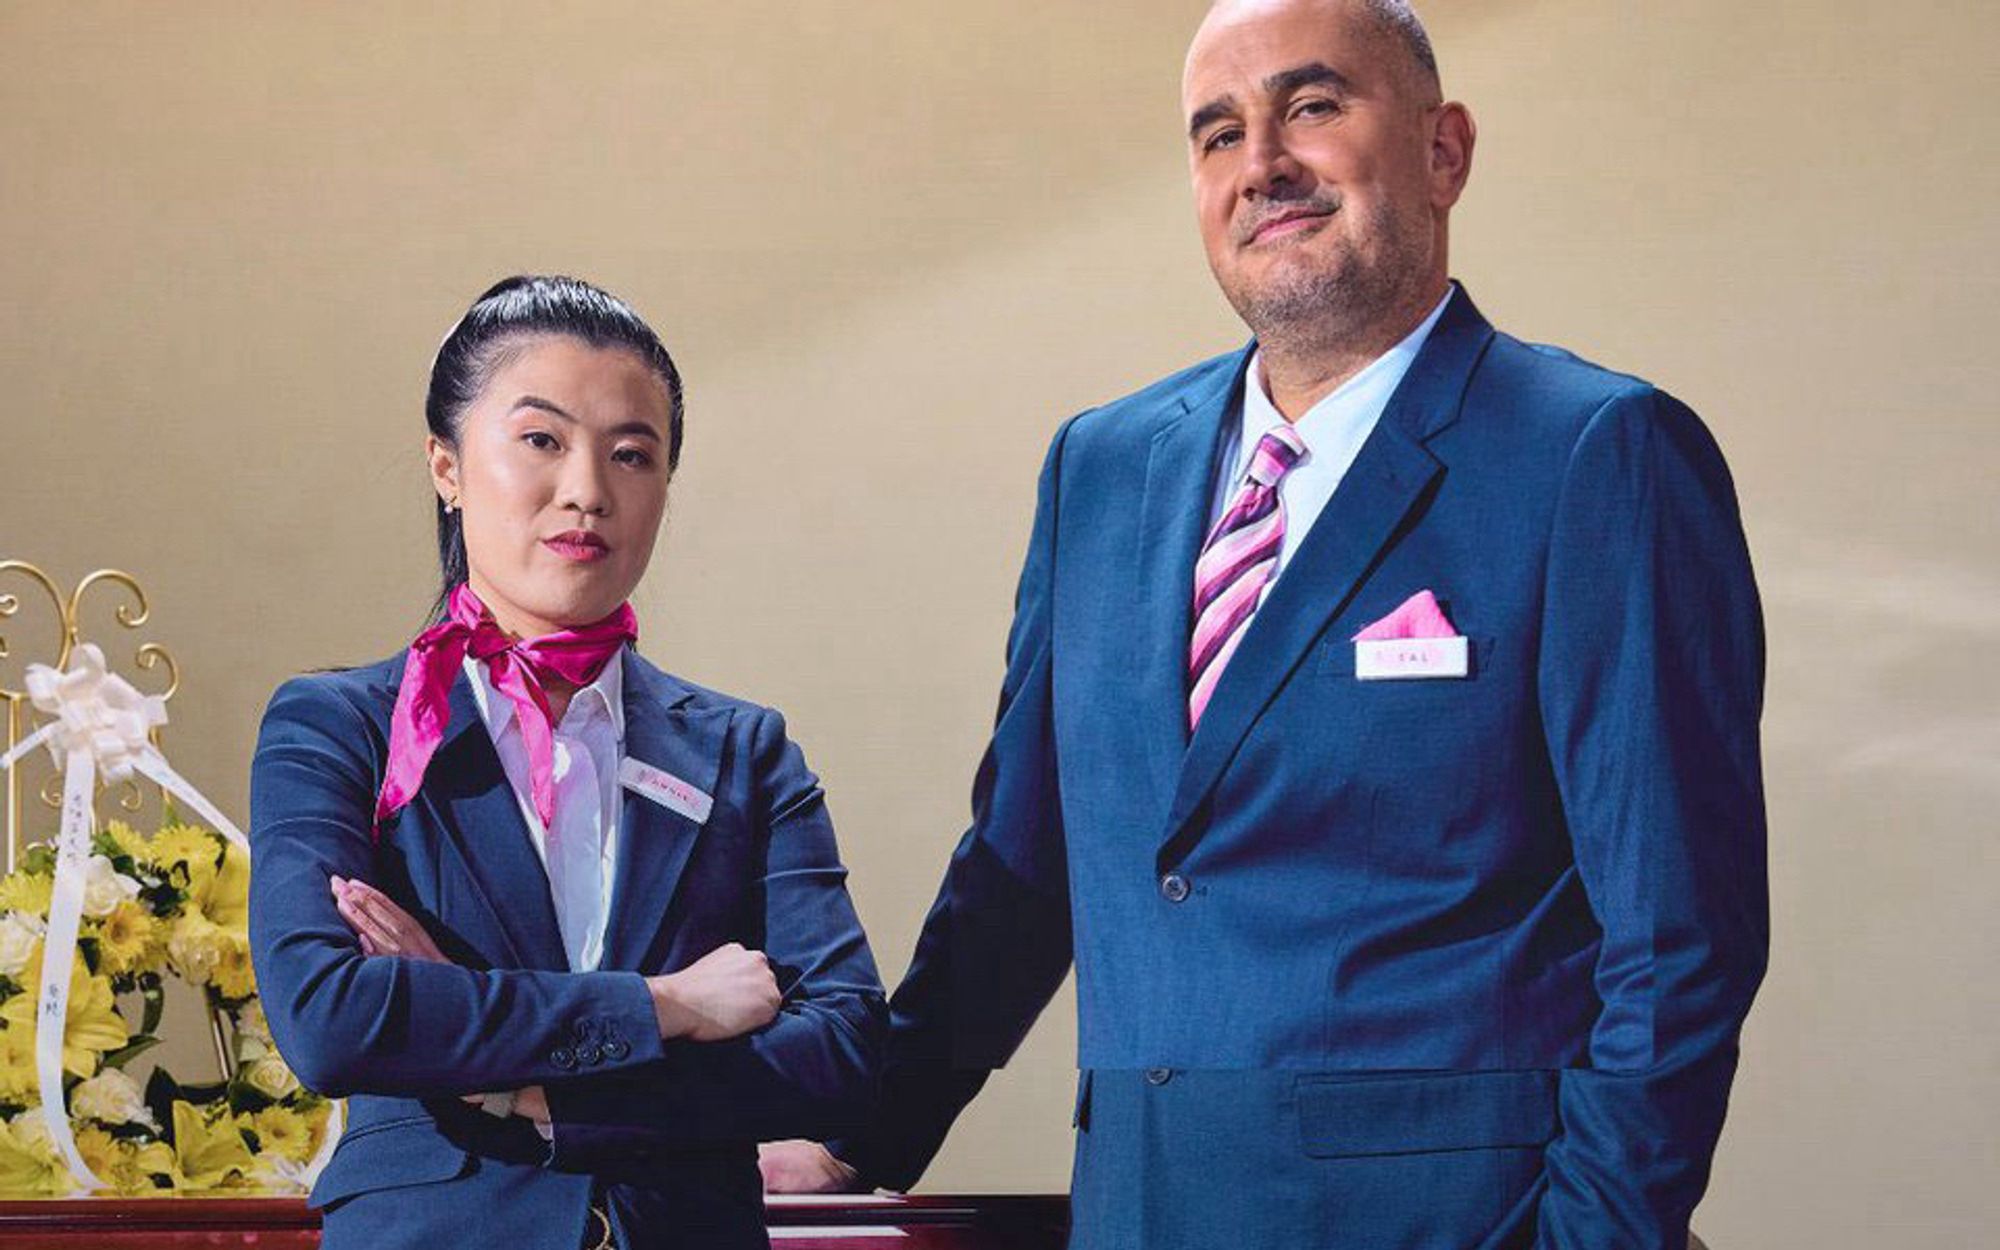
(1379, 737)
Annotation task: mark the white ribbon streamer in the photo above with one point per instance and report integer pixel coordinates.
(102, 725)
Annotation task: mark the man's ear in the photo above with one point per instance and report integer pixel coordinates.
(1453, 136)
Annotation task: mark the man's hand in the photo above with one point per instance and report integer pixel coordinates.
(726, 993)
(383, 927)
(804, 1167)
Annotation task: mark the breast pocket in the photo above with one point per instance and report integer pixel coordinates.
(1336, 660)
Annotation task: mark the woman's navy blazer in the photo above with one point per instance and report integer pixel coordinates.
(666, 1132)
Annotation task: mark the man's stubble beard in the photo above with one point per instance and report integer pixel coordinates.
(1304, 310)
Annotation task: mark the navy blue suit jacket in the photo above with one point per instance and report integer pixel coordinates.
(1416, 963)
(667, 1130)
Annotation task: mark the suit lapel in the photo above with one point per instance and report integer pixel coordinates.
(469, 796)
(654, 842)
(1180, 480)
(1366, 514)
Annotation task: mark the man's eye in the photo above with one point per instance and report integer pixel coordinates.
(1317, 107)
(1224, 138)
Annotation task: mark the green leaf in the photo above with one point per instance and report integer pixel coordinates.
(131, 1050)
(155, 998)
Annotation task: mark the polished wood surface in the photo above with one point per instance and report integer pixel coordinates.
(927, 1222)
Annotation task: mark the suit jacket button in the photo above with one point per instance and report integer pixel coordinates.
(1159, 1076)
(616, 1049)
(588, 1054)
(563, 1057)
(1174, 887)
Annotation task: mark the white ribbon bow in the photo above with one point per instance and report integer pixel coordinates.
(96, 711)
(101, 724)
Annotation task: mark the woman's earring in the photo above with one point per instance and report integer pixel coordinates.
(451, 505)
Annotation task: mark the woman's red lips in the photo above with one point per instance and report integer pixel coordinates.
(580, 545)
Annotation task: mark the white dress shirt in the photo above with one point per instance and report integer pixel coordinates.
(579, 850)
(1332, 430)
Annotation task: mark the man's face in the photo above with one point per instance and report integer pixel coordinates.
(1310, 144)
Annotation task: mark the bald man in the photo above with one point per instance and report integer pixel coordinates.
(1378, 740)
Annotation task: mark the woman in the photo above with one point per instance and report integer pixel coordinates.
(570, 934)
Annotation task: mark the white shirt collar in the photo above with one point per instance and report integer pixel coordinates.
(607, 694)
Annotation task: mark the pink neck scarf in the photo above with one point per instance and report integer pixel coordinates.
(423, 704)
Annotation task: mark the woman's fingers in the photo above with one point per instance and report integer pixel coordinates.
(365, 926)
(375, 916)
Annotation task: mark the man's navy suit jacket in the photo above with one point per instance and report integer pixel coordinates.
(1441, 963)
(665, 1131)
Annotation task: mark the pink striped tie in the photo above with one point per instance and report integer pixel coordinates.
(1236, 564)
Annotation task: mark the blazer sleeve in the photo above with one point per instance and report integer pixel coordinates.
(996, 943)
(1651, 679)
(348, 1024)
(812, 1071)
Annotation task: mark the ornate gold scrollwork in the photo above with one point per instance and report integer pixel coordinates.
(131, 611)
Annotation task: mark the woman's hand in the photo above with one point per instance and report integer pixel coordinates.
(726, 993)
(383, 927)
(386, 929)
(804, 1167)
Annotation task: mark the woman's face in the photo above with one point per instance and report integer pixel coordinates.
(560, 473)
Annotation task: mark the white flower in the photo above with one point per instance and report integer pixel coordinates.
(270, 1077)
(104, 887)
(111, 1097)
(19, 934)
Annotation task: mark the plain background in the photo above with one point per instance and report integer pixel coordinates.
(893, 246)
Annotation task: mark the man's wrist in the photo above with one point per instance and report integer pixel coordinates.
(669, 1015)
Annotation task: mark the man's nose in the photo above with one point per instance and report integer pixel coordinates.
(1269, 168)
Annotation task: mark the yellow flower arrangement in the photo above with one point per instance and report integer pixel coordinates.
(175, 903)
(94, 1023)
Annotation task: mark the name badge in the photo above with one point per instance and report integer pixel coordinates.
(1394, 659)
(665, 789)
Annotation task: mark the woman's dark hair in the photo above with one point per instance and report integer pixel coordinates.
(522, 307)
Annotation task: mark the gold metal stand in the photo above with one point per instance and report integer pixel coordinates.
(69, 622)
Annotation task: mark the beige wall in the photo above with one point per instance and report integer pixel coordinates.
(893, 245)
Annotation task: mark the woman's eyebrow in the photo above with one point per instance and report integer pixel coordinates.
(644, 429)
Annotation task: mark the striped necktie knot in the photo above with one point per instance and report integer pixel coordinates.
(1276, 453)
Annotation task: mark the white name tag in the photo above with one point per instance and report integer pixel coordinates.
(665, 789)
(1397, 658)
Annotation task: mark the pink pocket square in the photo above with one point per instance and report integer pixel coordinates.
(1418, 617)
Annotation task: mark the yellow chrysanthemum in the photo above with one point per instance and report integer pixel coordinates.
(17, 1065)
(225, 897)
(210, 1147)
(128, 840)
(130, 939)
(285, 1132)
(189, 846)
(29, 1165)
(94, 1023)
(28, 892)
(233, 978)
(125, 1166)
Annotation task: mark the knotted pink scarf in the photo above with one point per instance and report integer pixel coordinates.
(423, 704)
